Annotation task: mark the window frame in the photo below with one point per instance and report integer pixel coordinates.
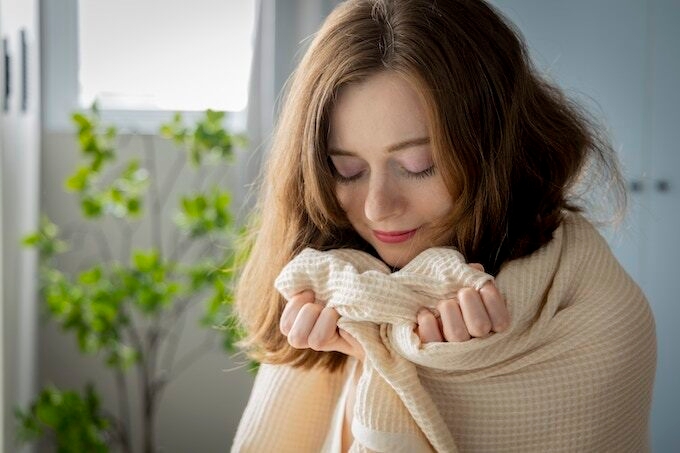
(59, 80)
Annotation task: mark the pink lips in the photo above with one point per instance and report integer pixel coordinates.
(394, 237)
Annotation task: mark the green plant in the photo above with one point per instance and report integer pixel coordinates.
(128, 306)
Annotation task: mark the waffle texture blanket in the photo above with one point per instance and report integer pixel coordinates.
(574, 371)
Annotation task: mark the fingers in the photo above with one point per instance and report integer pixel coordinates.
(453, 323)
(427, 327)
(298, 337)
(310, 325)
(474, 312)
(477, 266)
(471, 314)
(292, 308)
(494, 303)
(495, 306)
(324, 332)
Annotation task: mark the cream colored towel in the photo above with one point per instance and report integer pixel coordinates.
(573, 373)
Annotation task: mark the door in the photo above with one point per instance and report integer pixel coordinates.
(20, 147)
(663, 222)
(622, 59)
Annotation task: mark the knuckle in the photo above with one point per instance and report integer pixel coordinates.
(489, 291)
(466, 293)
(303, 297)
(424, 316)
(446, 304)
(478, 328)
(456, 334)
(297, 340)
(317, 341)
(310, 309)
(330, 312)
(477, 266)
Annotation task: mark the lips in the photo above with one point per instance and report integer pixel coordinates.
(394, 237)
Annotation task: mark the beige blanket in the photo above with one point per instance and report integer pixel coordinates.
(573, 373)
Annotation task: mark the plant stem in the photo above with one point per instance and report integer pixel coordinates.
(191, 357)
(147, 409)
(126, 241)
(102, 243)
(173, 176)
(156, 208)
(175, 334)
(124, 412)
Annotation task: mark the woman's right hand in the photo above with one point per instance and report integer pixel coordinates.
(309, 325)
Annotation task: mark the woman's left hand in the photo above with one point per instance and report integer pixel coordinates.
(472, 314)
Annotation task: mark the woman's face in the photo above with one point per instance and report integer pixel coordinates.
(386, 180)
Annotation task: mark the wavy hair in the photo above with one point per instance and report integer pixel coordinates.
(510, 146)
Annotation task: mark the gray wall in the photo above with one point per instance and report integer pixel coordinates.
(200, 411)
(621, 58)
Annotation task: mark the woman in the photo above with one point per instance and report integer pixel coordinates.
(416, 137)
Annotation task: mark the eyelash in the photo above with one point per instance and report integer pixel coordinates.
(419, 175)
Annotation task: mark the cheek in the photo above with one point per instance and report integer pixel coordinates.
(349, 199)
(443, 205)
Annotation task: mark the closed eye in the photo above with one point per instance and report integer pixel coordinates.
(346, 179)
(421, 174)
(346, 169)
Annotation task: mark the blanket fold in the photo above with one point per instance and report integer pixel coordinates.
(573, 372)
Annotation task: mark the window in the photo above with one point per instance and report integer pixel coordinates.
(143, 59)
(165, 54)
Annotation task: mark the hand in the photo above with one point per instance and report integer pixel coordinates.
(471, 314)
(314, 326)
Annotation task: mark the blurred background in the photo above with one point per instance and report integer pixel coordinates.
(143, 60)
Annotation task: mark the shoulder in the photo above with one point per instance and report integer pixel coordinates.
(586, 254)
(595, 276)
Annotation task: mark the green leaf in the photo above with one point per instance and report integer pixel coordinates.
(123, 357)
(75, 421)
(145, 261)
(205, 213)
(91, 207)
(31, 240)
(91, 276)
(45, 240)
(81, 121)
(79, 181)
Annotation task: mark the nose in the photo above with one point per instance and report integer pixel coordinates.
(383, 200)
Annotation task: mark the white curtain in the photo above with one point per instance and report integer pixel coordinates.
(283, 30)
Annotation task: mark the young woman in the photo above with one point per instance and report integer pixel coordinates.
(416, 138)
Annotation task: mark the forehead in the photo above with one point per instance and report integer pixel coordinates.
(377, 112)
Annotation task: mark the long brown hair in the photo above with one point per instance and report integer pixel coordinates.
(510, 146)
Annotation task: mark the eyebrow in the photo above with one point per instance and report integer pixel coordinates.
(390, 149)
